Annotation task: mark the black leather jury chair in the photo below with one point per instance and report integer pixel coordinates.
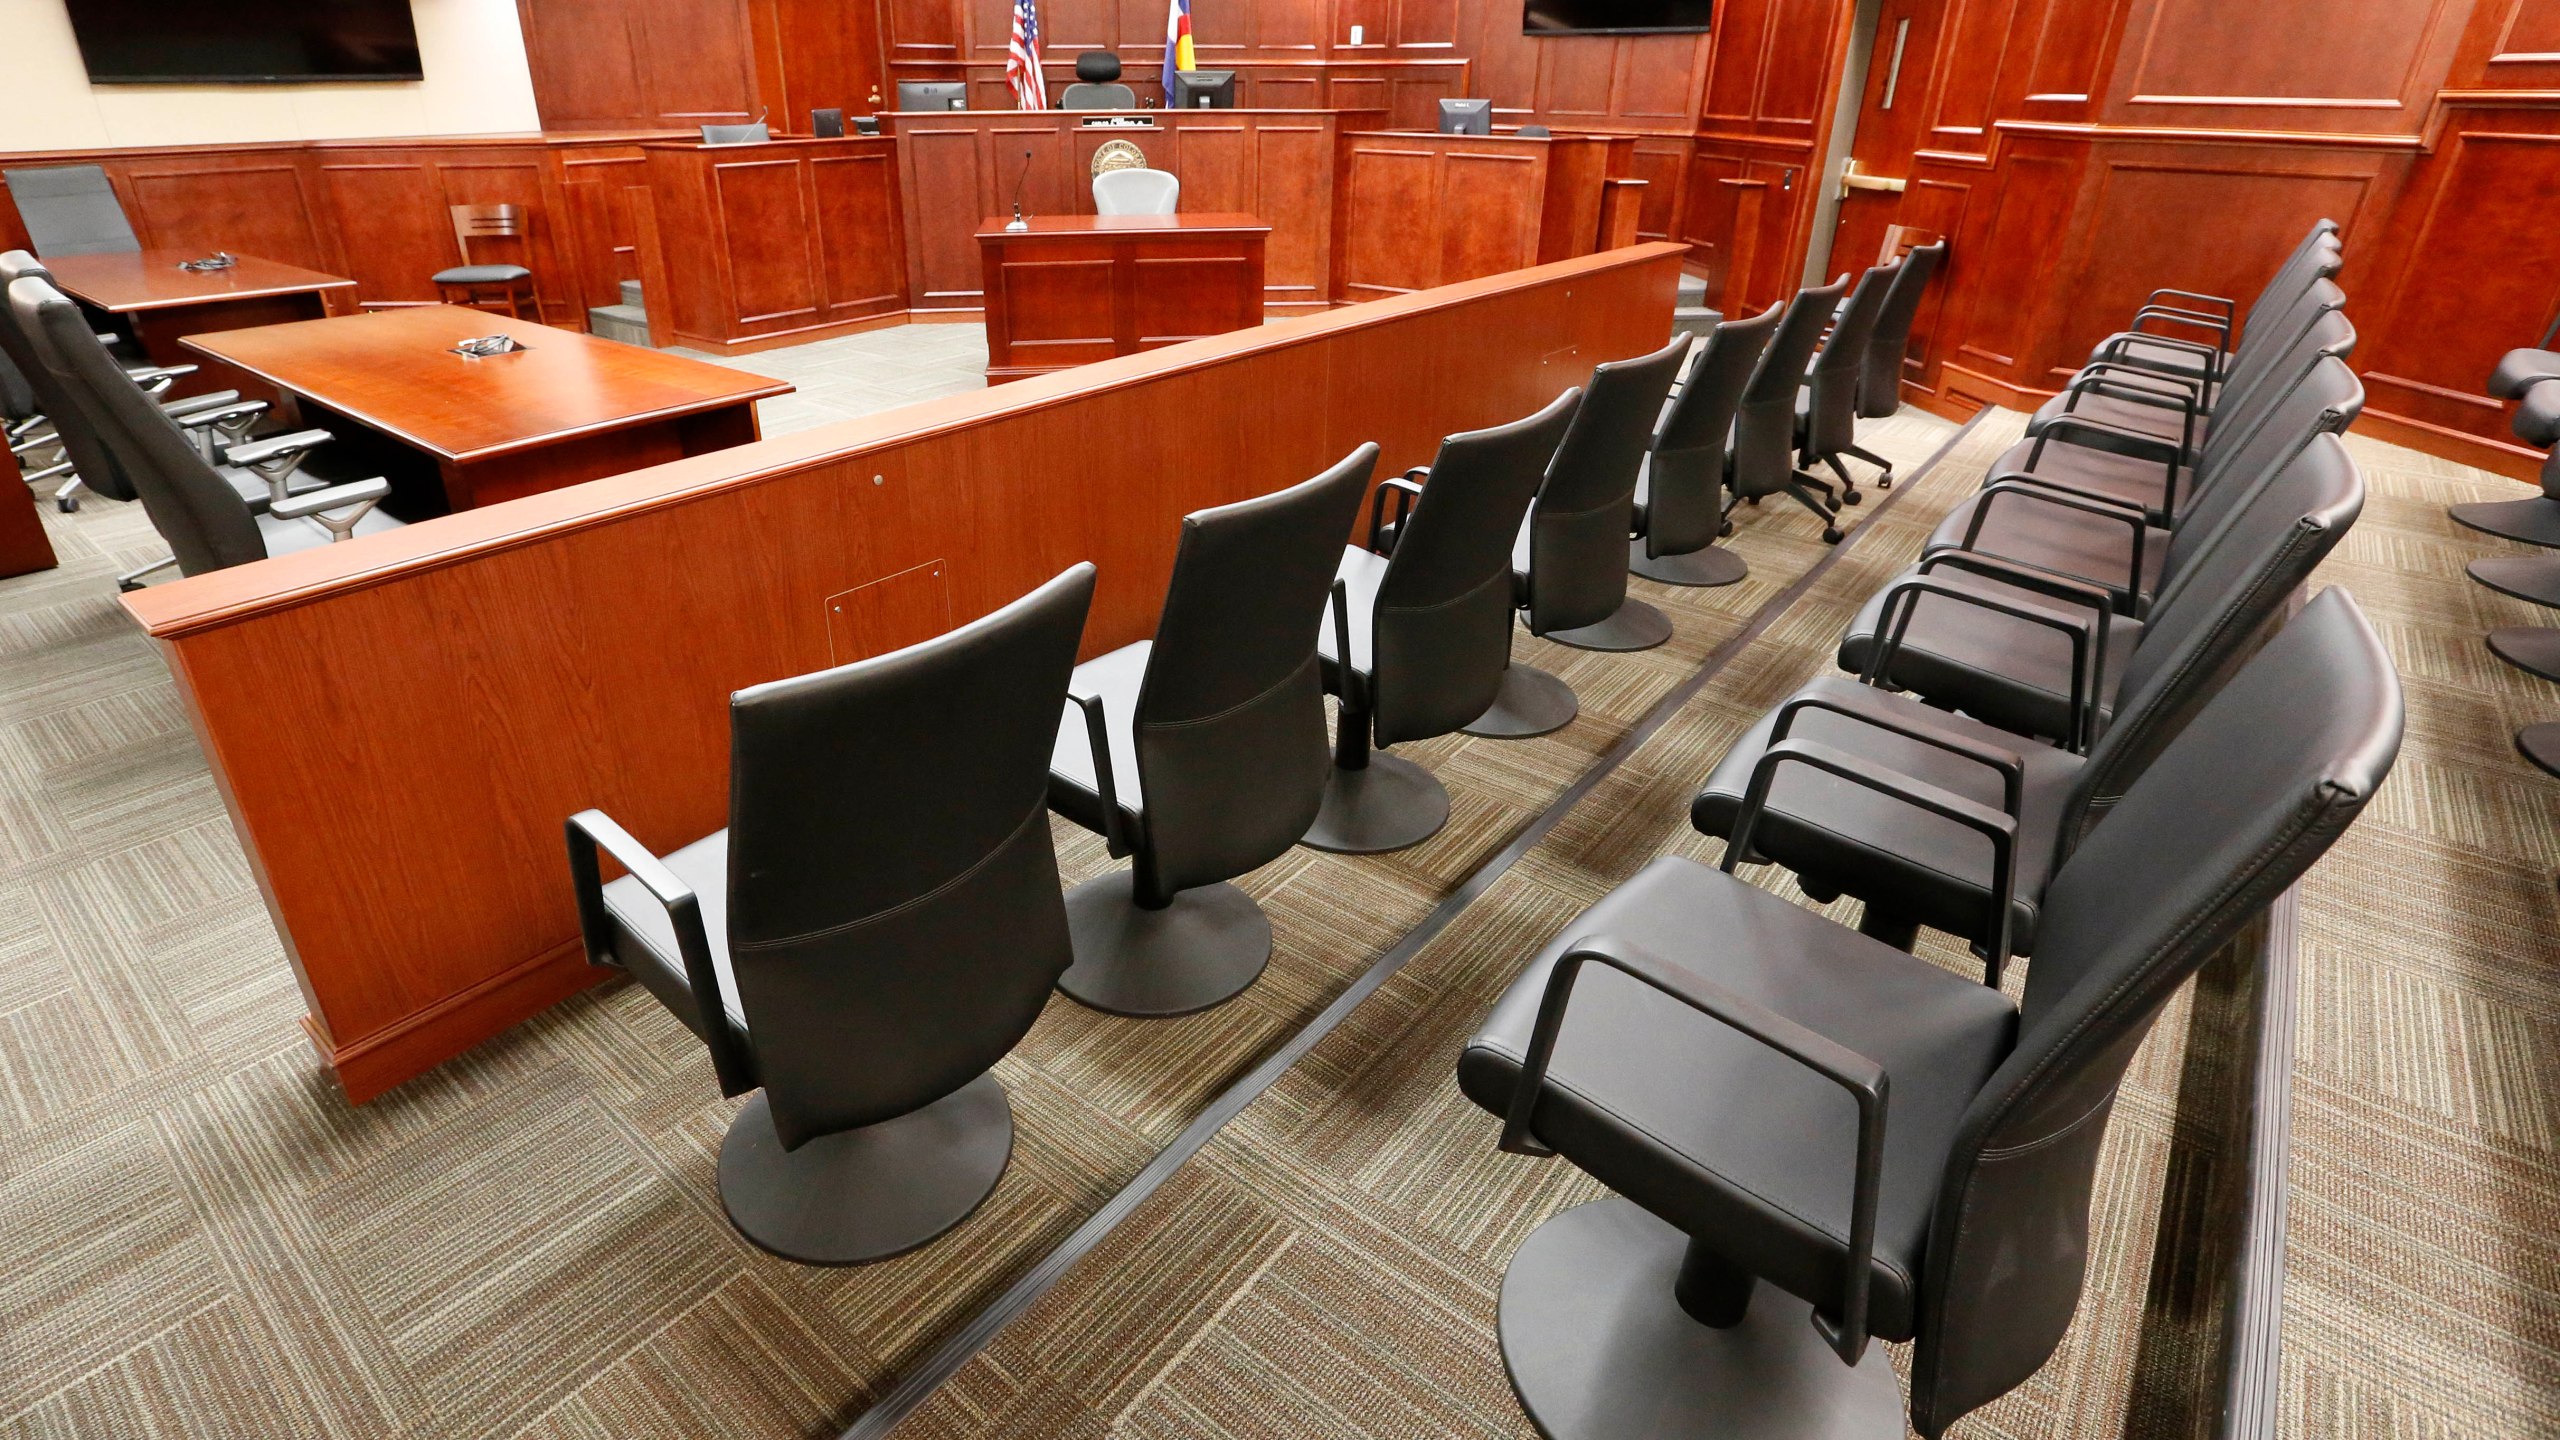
(1419, 632)
(1680, 509)
(1875, 819)
(877, 927)
(1798, 1116)
(1571, 557)
(1764, 428)
(1827, 410)
(71, 210)
(1200, 753)
(1880, 384)
(2186, 333)
(1098, 85)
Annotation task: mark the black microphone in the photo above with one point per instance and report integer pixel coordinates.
(1024, 179)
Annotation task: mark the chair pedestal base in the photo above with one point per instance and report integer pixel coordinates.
(1389, 804)
(2534, 578)
(2535, 520)
(2534, 649)
(2541, 745)
(1598, 1348)
(1206, 947)
(1531, 702)
(1634, 626)
(1699, 569)
(866, 1194)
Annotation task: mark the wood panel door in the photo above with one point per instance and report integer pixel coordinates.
(1892, 127)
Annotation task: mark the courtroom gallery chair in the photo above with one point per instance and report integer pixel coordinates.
(1880, 385)
(878, 926)
(71, 210)
(1793, 1114)
(1136, 192)
(1680, 505)
(2040, 653)
(2180, 349)
(1571, 555)
(1827, 409)
(2534, 649)
(1763, 462)
(200, 511)
(1418, 633)
(2534, 520)
(1903, 813)
(1200, 754)
(1098, 85)
(473, 281)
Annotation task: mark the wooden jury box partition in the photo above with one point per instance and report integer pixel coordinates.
(584, 641)
(773, 244)
(1415, 210)
(1072, 289)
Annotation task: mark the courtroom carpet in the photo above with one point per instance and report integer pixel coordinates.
(204, 1239)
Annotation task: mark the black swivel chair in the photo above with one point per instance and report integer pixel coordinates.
(1417, 638)
(877, 927)
(1681, 507)
(1899, 1149)
(1827, 412)
(2521, 376)
(1764, 428)
(1098, 85)
(71, 210)
(2534, 649)
(1571, 557)
(1201, 753)
(1880, 387)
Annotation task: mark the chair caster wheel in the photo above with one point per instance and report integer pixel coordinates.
(1853, 497)
(1831, 535)
(127, 587)
(1884, 482)
(1725, 532)
(67, 504)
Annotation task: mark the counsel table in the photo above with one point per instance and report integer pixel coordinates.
(161, 303)
(1073, 289)
(564, 409)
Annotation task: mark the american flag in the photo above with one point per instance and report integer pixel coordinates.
(1022, 58)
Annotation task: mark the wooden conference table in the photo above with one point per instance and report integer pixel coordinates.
(160, 303)
(566, 408)
(1072, 289)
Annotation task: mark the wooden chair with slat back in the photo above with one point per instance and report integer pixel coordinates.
(474, 280)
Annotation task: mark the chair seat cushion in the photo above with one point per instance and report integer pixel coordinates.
(646, 942)
(1361, 573)
(1719, 1134)
(2150, 354)
(2054, 537)
(1853, 839)
(2105, 474)
(1074, 789)
(284, 537)
(2012, 673)
(2160, 424)
(482, 275)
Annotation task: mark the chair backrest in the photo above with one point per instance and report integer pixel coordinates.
(2277, 329)
(2323, 233)
(1230, 718)
(1880, 388)
(2327, 399)
(1136, 192)
(1440, 635)
(1839, 369)
(20, 395)
(827, 123)
(1098, 67)
(895, 920)
(1764, 426)
(1082, 96)
(753, 132)
(493, 222)
(71, 210)
(2325, 332)
(74, 418)
(2233, 589)
(1684, 503)
(2249, 795)
(1534, 132)
(207, 524)
(1584, 512)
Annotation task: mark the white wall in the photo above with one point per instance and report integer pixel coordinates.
(473, 53)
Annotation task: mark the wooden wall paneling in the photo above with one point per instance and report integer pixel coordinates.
(585, 61)
(1485, 201)
(1798, 70)
(827, 54)
(2036, 190)
(1663, 165)
(861, 245)
(391, 224)
(2070, 45)
(919, 32)
(597, 236)
(1575, 179)
(1954, 58)
(1293, 180)
(2511, 45)
(942, 212)
(697, 61)
(1391, 193)
(1575, 76)
(1427, 25)
(1738, 56)
(1656, 79)
(2207, 63)
(254, 203)
(1940, 201)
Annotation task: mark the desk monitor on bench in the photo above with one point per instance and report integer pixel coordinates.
(1203, 90)
(1466, 117)
(932, 95)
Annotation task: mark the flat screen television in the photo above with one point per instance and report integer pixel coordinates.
(1616, 17)
(245, 42)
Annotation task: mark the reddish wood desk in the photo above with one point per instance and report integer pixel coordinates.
(1073, 289)
(161, 303)
(566, 408)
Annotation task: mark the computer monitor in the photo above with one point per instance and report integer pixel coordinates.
(754, 132)
(932, 95)
(1466, 117)
(826, 124)
(1203, 90)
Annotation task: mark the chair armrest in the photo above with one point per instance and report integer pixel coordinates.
(2151, 447)
(1337, 611)
(190, 404)
(2139, 389)
(276, 447)
(1863, 1078)
(218, 414)
(586, 831)
(2009, 764)
(1902, 601)
(1407, 495)
(2129, 595)
(2099, 599)
(2221, 303)
(2221, 328)
(1097, 735)
(312, 503)
(2134, 376)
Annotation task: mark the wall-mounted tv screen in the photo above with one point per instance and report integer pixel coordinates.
(253, 42)
(1616, 17)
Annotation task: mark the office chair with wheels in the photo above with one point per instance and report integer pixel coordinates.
(1137, 192)
(1680, 506)
(71, 210)
(1571, 558)
(1904, 1153)
(1827, 409)
(1418, 636)
(1200, 753)
(1764, 426)
(470, 280)
(1880, 385)
(1098, 85)
(877, 927)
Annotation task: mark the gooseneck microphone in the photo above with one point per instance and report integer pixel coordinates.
(1018, 223)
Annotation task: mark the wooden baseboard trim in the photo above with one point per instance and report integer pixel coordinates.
(2494, 456)
(801, 336)
(418, 1043)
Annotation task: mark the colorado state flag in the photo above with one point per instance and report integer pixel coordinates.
(1178, 54)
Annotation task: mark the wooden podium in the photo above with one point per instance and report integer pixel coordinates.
(1073, 289)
